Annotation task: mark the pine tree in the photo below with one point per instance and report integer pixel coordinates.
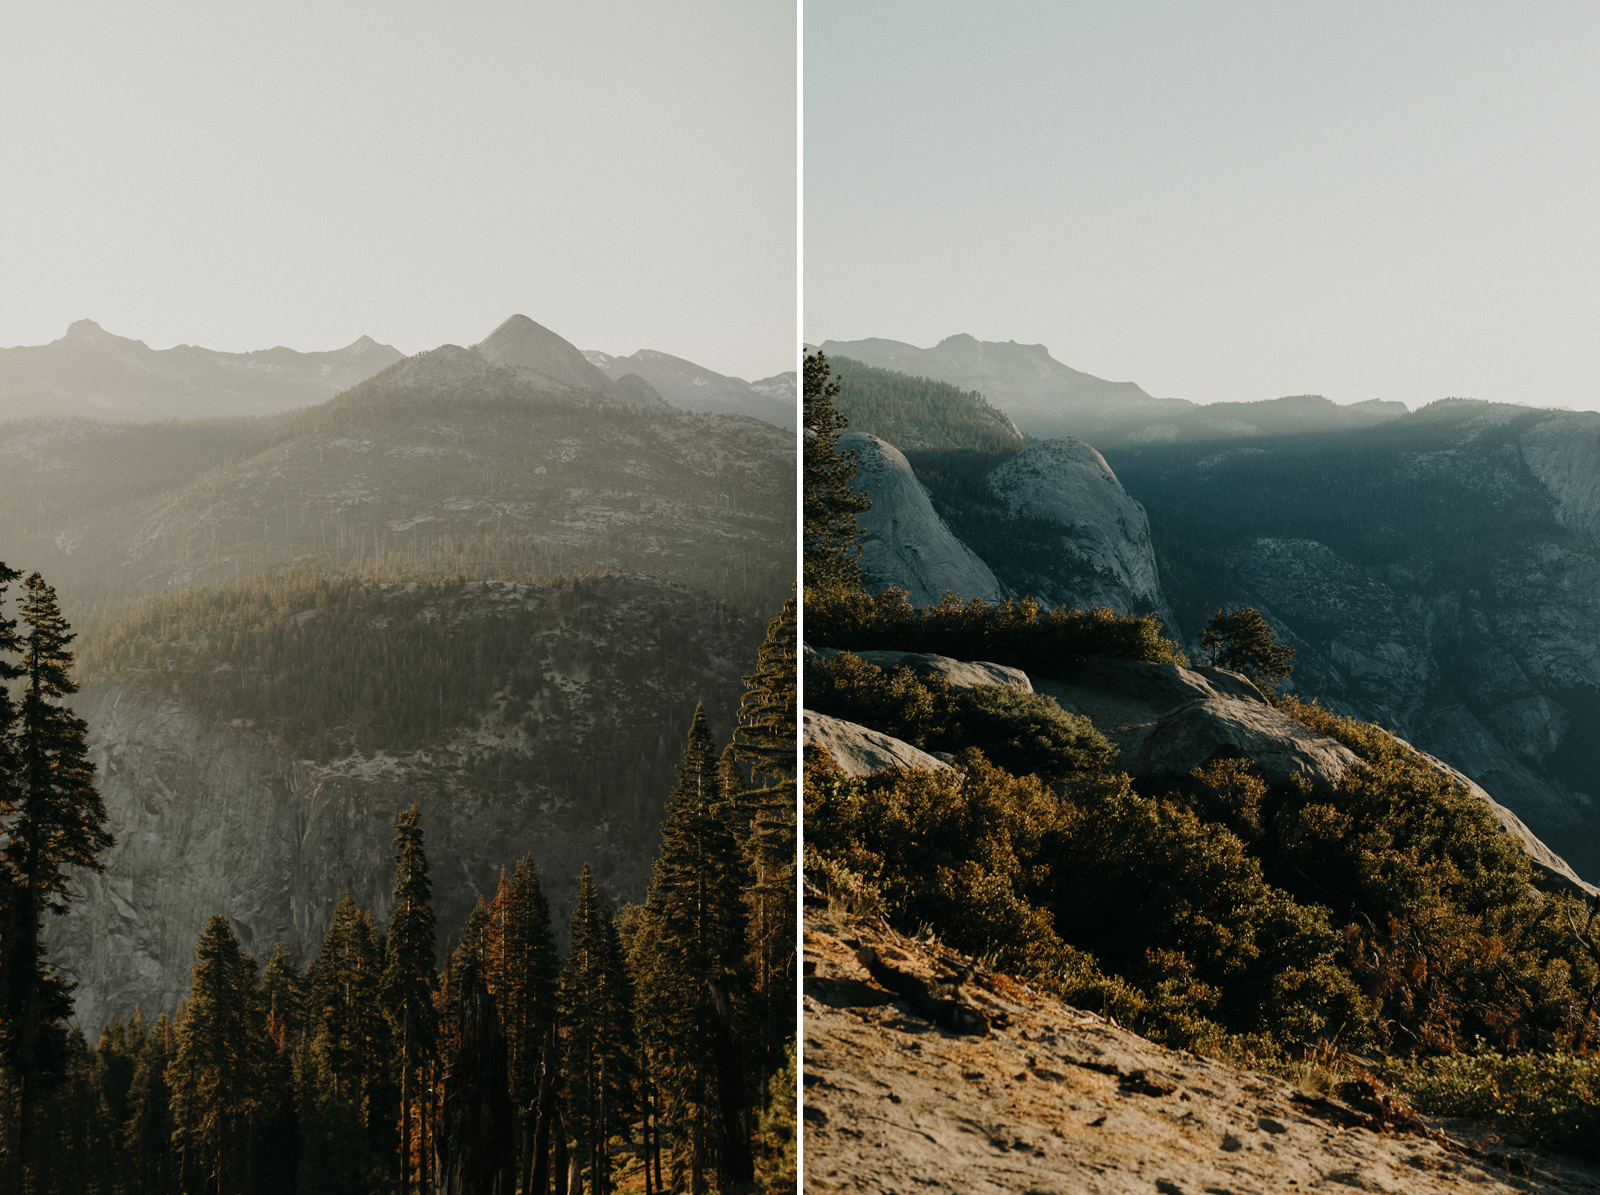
(766, 740)
(349, 1035)
(282, 1000)
(831, 506)
(409, 980)
(215, 1074)
(1240, 639)
(693, 933)
(597, 1014)
(147, 1133)
(349, 1106)
(54, 824)
(522, 973)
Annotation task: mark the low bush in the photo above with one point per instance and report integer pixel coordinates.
(1553, 1099)
(1025, 733)
(1013, 632)
(1115, 901)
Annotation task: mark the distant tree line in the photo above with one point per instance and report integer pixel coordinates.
(920, 413)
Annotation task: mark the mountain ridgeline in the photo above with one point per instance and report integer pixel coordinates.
(517, 457)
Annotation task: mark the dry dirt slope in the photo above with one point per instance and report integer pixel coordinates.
(1054, 1099)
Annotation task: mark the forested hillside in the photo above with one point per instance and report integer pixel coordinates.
(442, 465)
(914, 413)
(647, 1045)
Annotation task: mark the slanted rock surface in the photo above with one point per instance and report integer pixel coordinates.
(962, 674)
(860, 751)
(1057, 1099)
(904, 543)
(1068, 483)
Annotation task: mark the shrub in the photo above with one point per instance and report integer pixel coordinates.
(1050, 887)
(1013, 632)
(1552, 1098)
(1025, 733)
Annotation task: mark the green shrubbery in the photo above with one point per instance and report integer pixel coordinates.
(1552, 1098)
(1025, 733)
(1013, 632)
(1389, 913)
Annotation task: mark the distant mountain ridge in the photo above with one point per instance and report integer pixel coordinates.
(94, 373)
(512, 458)
(692, 387)
(1049, 400)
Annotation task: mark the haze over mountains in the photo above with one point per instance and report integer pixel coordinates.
(1047, 399)
(96, 374)
(695, 388)
(441, 523)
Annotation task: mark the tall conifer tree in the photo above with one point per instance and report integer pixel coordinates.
(215, 1074)
(601, 1047)
(831, 506)
(409, 980)
(53, 822)
(695, 923)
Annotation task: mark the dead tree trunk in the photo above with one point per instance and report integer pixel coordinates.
(538, 1179)
(474, 1146)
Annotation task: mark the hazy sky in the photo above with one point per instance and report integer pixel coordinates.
(1217, 200)
(245, 175)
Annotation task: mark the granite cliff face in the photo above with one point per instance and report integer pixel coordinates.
(1439, 575)
(1102, 529)
(570, 757)
(904, 543)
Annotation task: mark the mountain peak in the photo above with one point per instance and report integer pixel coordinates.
(85, 329)
(522, 343)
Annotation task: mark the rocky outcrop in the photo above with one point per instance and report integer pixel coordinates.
(904, 543)
(1058, 1099)
(860, 751)
(1105, 531)
(962, 674)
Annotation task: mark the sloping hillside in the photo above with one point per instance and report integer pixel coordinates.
(445, 463)
(254, 743)
(1053, 1098)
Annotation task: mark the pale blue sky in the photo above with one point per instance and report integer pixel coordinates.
(245, 175)
(1219, 201)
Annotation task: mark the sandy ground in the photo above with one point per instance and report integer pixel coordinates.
(1054, 1099)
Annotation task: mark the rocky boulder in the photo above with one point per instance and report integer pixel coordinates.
(860, 751)
(962, 674)
(904, 542)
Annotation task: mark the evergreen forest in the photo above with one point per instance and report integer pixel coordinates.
(407, 1054)
(915, 413)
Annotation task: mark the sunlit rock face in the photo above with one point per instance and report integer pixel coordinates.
(904, 543)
